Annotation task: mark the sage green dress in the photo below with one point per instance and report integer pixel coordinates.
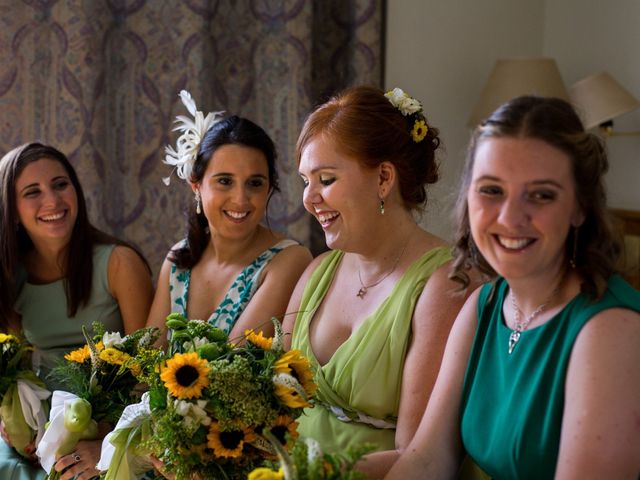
(359, 388)
(49, 329)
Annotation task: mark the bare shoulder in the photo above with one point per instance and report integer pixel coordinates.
(609, 330)
(125, 258)
(294, 255)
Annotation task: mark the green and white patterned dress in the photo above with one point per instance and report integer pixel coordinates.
(238, 296)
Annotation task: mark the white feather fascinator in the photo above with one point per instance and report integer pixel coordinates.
(184, 155)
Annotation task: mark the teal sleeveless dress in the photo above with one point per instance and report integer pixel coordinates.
(512, 405)
(53, 334)
(238, 296)
(358, 394)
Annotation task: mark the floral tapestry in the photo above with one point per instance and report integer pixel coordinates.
(99, 79)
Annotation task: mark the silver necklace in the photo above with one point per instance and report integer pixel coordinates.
(364, 288)
(522, 325)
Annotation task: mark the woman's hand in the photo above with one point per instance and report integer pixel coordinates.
(29, 450)
(159, 466)
(80, 464)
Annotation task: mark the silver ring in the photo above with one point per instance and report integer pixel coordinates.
(76, 457)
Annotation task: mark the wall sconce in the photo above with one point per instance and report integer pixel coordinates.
(513, 77)
(599, 99)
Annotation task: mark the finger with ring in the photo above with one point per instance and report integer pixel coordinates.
(76, 457)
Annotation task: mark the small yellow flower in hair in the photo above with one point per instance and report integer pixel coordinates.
(419, 131)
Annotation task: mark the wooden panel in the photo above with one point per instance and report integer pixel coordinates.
(628, 223)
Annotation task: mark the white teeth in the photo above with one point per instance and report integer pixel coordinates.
(514, 243)
(237, 215)
(325, 217)
(51, 218)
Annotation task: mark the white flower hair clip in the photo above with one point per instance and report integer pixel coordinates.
(184, 155)
(410, 107)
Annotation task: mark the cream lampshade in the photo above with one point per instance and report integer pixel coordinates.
(513, 77)
(599, 98)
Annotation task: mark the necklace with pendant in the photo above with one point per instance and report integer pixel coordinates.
(521, 325)
(364, 288)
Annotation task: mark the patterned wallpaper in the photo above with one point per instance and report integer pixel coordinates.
(99, 79)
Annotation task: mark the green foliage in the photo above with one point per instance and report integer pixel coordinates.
(107, 383)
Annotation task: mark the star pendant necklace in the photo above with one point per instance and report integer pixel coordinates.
(521, 325)
(365, 288)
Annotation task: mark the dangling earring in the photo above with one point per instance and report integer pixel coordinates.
(198, 203)
(381, 207)
(572, 261)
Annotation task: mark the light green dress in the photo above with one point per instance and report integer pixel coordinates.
(359, 388)
(48, 328)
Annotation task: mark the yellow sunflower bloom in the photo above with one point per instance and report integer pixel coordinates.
(228, 443)
(80, 355)
(419, 131)
(83, 353)
(284, 424)
(298, 366)
(5, 338)
(185, 375)
(263, 473)
(114, 356)
(258, 339)
(289, 391)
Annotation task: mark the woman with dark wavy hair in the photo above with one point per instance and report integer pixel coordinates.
(60, 273)
(230, 270)
(540, 377)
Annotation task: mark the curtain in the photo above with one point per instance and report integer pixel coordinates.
(99, 79)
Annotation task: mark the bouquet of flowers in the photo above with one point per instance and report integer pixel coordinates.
(306, 461)
(23, 406)
(211, 404)
(100, 381)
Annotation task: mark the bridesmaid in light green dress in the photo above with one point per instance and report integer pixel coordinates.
(60, 273)
(374, 313)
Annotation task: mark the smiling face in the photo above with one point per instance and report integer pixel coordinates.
(340, 193)
(46, 201)
(235, 190)
(521, 204)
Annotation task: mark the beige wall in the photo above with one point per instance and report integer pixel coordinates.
(442, 53)
(588, 36)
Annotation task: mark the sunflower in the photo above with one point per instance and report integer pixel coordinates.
(113, 356)
(281, 426)
(298, 366)
(83, 353)
(289, 391)
(230, 442)
(419, 131)
(263, 473)
(185, 375)
(258, 339)
(4, 338)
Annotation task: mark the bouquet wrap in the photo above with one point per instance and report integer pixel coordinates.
(120, 455)
(68, 424)
(23, 407)
(24, 411)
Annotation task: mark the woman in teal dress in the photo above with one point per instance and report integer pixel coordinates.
(373, 314)
(60, 273)
(540, 377)
(230, 270)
